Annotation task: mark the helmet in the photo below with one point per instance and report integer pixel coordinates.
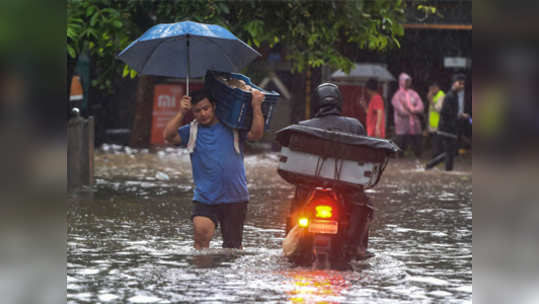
(328, 98)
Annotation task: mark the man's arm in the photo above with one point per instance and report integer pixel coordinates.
(170, 134)
(418, 108)
(363, 104)
(378, 128)
(449, 108)
(430, 96)
(439, 103)
(398, 107)
(257, 126)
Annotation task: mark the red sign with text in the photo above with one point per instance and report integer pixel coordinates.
(166, 104)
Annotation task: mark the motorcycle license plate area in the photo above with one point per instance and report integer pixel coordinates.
(327, 227)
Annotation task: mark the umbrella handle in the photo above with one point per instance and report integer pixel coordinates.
(188, 65)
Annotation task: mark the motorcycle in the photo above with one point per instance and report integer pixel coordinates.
(321, 226)
(324, 163)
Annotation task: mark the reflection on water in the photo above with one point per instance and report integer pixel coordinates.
(312, 286)
(129, 239)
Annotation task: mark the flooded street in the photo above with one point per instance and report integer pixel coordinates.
(129, 239)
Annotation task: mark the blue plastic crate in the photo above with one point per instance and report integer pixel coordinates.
(234, 105)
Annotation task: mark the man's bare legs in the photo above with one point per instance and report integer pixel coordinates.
(203, 231)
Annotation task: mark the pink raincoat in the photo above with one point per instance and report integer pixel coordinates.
(407, 107)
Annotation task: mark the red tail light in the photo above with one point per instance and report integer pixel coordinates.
(323, 205)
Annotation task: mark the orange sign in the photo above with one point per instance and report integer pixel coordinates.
(166, 104)
(76, 89)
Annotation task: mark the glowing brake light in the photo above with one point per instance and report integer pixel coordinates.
(303, 222)
(323, 211)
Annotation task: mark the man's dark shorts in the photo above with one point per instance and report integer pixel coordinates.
(231, 216)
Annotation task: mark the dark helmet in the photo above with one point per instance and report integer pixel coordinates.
(328, 98)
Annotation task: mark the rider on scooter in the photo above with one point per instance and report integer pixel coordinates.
(328, 101)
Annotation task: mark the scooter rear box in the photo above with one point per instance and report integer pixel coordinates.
(321, 157)
(298, 166)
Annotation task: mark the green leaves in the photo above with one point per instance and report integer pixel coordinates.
(71, 51)
(117, 24)
(254, 27)
(223, 7)
(71, 33)
(90, 10)
(103, 28)
(427, 9)
(311, 33)
(125, 71)
(93, 19)
(129, 71)
(132, 73)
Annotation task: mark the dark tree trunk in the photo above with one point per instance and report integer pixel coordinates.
(142, 122)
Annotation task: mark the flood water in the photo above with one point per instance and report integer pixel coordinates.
(129, 238)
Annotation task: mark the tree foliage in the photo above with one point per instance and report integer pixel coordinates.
(100, 28)
(312, 33)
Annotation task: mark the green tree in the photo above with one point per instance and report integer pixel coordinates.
(312, 32)
(100, 28)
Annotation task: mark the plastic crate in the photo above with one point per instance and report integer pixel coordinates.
(234, 105)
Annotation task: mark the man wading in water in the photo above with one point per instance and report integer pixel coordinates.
(221, 194)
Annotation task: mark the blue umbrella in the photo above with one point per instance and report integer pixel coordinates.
(187, 49)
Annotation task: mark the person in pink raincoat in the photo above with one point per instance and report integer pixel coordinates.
(407, 109)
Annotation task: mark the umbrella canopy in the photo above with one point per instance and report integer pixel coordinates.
(187, 49)
(364, 71)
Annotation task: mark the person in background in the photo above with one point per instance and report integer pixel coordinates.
(447, 129)
(435, 97)
(463, 124)
(216, 151)
(408, 108)
(376, 125)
